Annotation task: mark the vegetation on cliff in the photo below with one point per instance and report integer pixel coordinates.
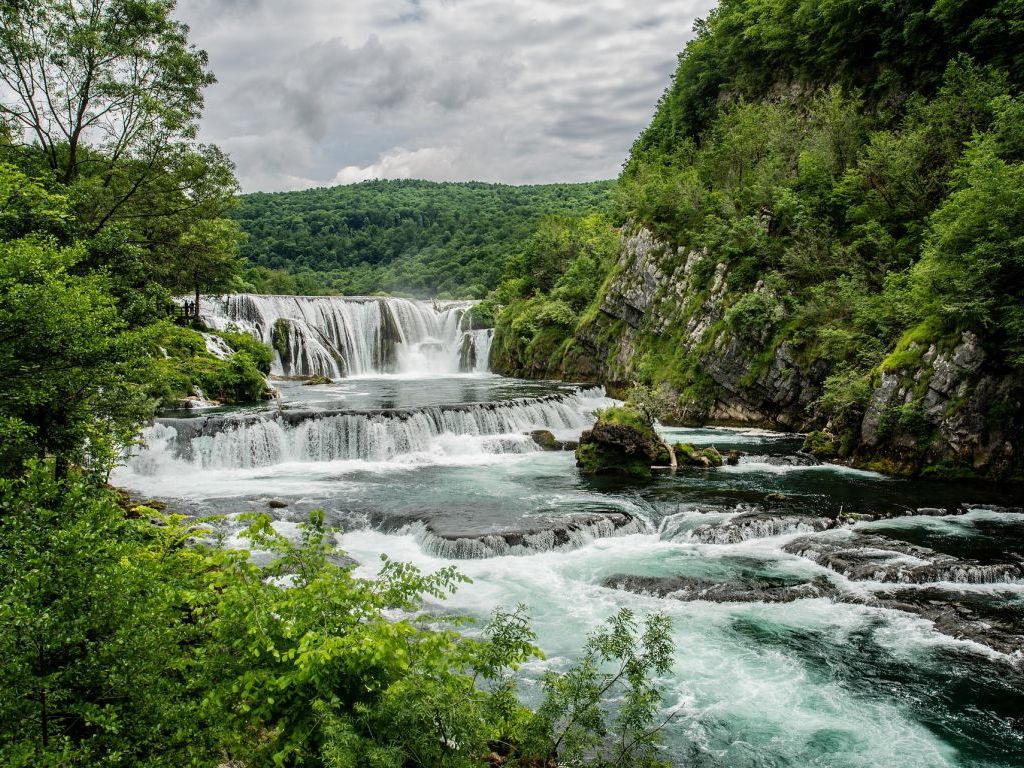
(416, 238)
(827, 196)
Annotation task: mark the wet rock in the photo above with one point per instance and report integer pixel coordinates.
(314, 381)
(966, 414)
(821, 444)
(757, 525)
(732, 458)
(994, 619)
(543, 534)
(687, 455)
(622, 442)
(868, 557)
(277, 504)
(546, 440)
(742, 591)
(467, 354)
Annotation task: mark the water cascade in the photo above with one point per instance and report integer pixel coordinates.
(243, 441)
(337, 336)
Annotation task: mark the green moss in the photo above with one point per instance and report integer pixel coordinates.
(622, 442)
(279, 336)
(624, 416)
(911, 347)
(593, 460)
(179, 362)
(688, 455)
(949, 470)
(821, 444)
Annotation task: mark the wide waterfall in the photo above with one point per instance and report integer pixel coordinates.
(338, 336)
(244, 441)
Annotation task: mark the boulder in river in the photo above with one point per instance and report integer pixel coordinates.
(687, 455)
(869, 557)
(753, 525)
(530, 536)
(741, 591)
(546, 440)
(994, 619)
(622, 442)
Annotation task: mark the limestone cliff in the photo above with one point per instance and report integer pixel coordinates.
(665, 316)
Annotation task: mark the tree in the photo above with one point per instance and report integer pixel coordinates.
(207, 257)
(118, 75)
(95, 630)
(65, 356)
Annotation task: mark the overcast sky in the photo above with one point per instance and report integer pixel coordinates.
(321, 92)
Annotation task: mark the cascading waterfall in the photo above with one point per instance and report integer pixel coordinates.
(257, 440)
(337, 336)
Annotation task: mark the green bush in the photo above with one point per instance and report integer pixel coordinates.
(258, 352)
(127, 643)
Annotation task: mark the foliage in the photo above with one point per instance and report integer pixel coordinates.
(179, 363)
(414, 238)
(128, 643)
(207, 257)
(95, 631)
(547, 284)
(620, 662)
(846, 203)
(65, 356)
(972, 270)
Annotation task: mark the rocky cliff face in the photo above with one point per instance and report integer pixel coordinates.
(664, 317)
(668, 305)
(948, 413)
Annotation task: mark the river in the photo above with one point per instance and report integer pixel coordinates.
(821, 615)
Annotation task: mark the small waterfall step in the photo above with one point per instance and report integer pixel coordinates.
(246, 440)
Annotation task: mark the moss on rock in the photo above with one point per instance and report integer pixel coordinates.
(689, 456)
(820, 444)
(622, 442)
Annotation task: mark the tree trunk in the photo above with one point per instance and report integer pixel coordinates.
(195, 309)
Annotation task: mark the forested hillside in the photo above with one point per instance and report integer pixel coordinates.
(824, 230)
(416, 238)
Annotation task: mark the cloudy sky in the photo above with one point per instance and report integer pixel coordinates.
(320, 92)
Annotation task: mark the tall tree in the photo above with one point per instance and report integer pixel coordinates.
(109, 89)
(207, 257)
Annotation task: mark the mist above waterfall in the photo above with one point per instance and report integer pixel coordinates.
(340, 336)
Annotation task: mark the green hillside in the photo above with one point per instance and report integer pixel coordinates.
(418, 238)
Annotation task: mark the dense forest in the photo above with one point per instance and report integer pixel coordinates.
(129, 636)
(823, 230)
(414, 238)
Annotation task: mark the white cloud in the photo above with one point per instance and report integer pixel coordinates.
(427, 163)
(315, 92)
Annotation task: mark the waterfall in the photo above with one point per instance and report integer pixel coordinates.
(244, 441)
(338, 336)
(475, 350)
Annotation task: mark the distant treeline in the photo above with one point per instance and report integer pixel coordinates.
(418, 238)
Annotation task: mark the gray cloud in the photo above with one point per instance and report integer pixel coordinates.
(315, 92)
